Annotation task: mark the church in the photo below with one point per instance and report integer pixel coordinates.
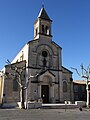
(43, 75)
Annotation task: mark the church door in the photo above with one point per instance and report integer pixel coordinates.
(45, 93)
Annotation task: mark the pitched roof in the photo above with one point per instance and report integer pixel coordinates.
(67, 70)
(43, 14)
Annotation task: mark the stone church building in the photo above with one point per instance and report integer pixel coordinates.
(42, 70)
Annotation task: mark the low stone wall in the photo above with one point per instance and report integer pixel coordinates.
(9, 105)
(35, 105)
(80, 103)
(32, 105)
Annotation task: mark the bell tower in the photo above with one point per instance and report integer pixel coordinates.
(42, 26)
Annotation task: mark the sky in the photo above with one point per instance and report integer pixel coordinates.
(70, 29)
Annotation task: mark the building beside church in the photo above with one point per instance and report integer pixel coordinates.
(80, 91)
(42, 58)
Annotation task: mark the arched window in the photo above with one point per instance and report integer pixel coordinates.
(43, 29)
(36, 31)
(44, 54)
(47, 30)
(64, 86)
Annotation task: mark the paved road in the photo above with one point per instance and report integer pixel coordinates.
(44, 114)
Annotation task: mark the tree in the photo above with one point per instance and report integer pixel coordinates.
(16, 71)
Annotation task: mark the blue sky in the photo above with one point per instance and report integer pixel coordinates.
(70, 28)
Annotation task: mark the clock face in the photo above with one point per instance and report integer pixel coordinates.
(44, 54)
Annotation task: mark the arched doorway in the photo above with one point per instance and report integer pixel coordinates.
(46, 87)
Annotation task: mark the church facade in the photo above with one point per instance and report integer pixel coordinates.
(47, 79)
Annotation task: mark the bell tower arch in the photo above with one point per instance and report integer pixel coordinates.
(42, 26)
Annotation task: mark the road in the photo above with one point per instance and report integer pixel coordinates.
(44, 114)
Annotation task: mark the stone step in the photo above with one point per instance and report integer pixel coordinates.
(59, 106)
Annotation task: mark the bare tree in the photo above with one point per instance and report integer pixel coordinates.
(16, 70)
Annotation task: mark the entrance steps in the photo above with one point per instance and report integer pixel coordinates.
(59, 106)
(33, 105)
